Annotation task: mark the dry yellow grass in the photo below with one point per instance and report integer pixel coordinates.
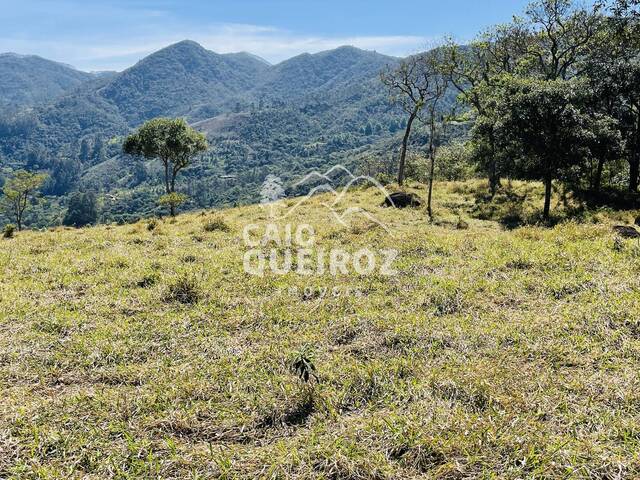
(492, 354)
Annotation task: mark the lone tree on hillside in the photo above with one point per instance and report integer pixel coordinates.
(173, 142)
(18, 193)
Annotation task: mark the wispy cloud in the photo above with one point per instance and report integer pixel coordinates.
(277, 45)
(271, 43)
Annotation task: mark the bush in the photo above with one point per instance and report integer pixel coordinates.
(216, 224)
(9, 230)
(455, 162)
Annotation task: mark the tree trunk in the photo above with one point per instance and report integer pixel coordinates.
(403, 152)
(634, 171)
(634, 160)
(173, 189)
(597, 181)
(432, 156)
(494, 176)
(431, 173)
(22, 206)
(167, 189)
(548, 184)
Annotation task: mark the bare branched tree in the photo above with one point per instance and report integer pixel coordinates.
(412, 86)
(433, 64)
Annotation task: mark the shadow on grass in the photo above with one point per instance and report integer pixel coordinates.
(520, 204)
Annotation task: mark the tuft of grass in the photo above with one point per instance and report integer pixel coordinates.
(185, 289)
(152, 225)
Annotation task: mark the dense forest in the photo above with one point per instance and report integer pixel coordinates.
(552, 96)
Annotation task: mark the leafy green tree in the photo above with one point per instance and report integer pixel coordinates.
(562, 33)
(474, 71)
(85, 150)
(613, 70)
(173, 200)
(99, 154)
(368, 129)
(173, 142)
(82, 210)
(541, 119)
(19, 192)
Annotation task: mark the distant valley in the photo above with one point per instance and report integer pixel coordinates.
(307, 112)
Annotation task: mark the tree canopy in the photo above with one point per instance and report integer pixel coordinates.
(172, 141)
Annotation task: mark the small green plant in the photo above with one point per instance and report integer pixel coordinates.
(8, 230)
(618, 244)
(303, 364)
(216, 224)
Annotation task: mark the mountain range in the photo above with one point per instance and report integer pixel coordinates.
(310, 111)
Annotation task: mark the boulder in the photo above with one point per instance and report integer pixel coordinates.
(402, 200)
(626, 231)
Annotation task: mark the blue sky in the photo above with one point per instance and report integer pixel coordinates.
(114, 35)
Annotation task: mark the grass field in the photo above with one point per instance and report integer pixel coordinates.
(145, 351)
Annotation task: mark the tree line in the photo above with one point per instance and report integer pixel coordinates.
(553, 96)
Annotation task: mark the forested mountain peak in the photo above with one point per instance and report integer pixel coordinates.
(306, 73)
(180, 78)
(26, 80)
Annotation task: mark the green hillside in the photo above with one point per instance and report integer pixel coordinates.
(27, 80)
(145, 351)
(308, 112)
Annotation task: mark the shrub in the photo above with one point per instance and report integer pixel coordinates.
(147, 281)
(9, 230)
(462, 225)
(216, 224)
(455, 162)
(173, 201)
(189, 259)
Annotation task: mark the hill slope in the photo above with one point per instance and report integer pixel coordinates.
(26, 80)
(492, 353)
(323, 72)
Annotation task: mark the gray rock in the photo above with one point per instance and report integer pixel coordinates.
(626, 231)
(402, 200)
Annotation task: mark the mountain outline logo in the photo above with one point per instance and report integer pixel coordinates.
(272, 193)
